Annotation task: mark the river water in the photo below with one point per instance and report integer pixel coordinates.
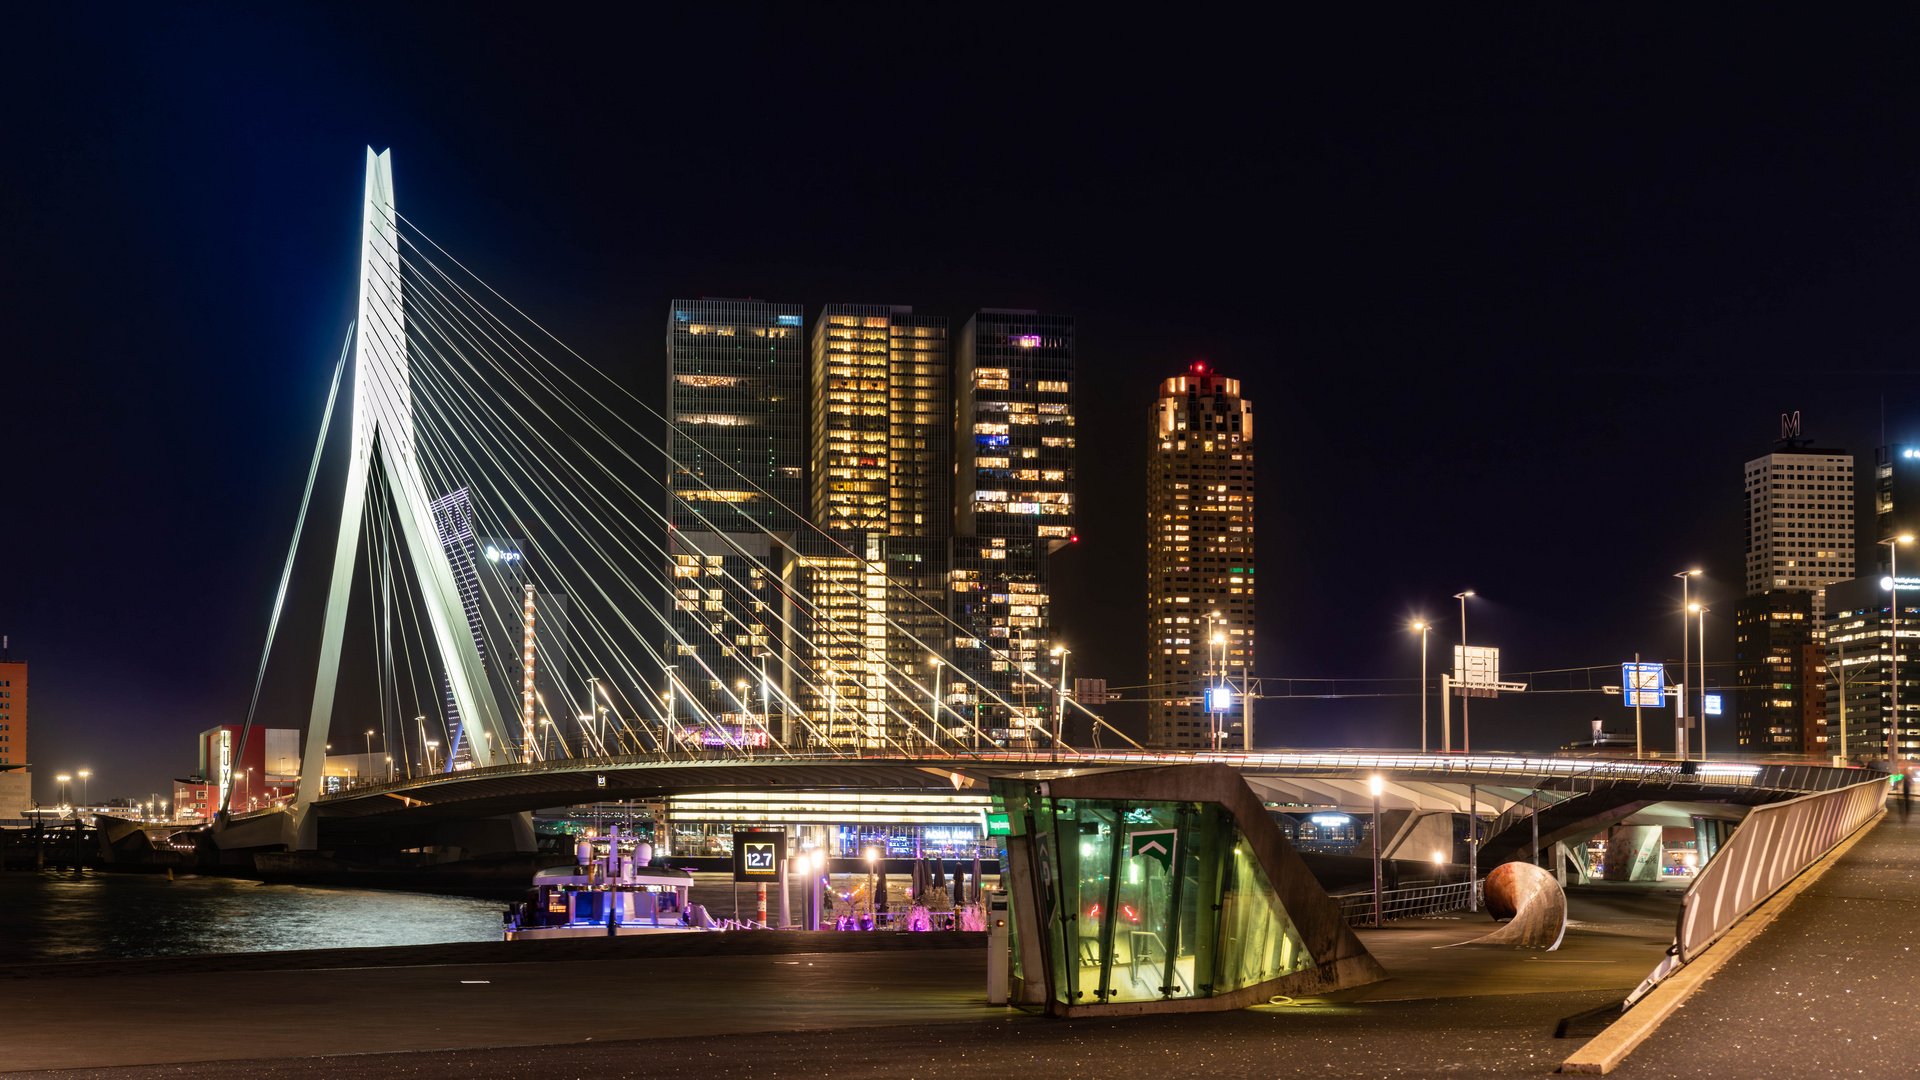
(50, 916)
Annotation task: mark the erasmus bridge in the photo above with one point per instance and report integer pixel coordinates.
(470, 421)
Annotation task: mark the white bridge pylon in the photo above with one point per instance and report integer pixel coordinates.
(383, 431)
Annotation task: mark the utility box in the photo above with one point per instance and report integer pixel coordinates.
(999, 947)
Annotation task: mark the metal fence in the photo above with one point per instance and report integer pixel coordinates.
(1357, 908)
(1771, 847)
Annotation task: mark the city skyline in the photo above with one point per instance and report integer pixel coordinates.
(1401, 328)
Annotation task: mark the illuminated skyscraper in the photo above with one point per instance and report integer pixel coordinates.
(1799, 541)
(882, 426)
(1200, 558)
(1013, 507)
(737, 395)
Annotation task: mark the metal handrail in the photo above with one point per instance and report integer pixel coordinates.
(1357, 908)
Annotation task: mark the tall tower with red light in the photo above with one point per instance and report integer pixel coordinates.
(1200, 562)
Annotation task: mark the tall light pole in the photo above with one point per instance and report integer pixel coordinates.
(766, 701)
(84, 773)
(937, 665)
(1060, 653)
(1680, 721)
(1700, 635)
(1893, 634)
(1376, 785)
(1424, 629)
(65, 792)
(746, 737)
(1466, 727)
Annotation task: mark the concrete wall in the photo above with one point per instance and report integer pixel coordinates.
(16, 793)
(1633, 853)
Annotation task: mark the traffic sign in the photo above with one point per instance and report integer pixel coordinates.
(1153, 844)
(759, 854)
(1643, 685)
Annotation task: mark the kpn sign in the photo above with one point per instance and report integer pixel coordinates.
(759, 855)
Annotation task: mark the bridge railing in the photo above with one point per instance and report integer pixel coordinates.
(1558, 774)
(1772, 846)
(1357, 908)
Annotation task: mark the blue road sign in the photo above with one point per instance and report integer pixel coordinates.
(1643, 685)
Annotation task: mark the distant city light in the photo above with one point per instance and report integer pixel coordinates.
(1027, 341)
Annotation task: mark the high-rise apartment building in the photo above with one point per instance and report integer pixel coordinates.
(1013, 507)
(16, 783)
(1799, 520)
(1799, 541)
(882, 425)
(1896, 504)
(737, 393)
(737, 398)
(1781, 672)
(1859, 661)
(1200, 558)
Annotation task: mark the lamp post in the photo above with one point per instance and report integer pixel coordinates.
(766, 702)
(1893, 634)
(84, 773)
(1376, 785)
(66, 791)
(1700, 635)
(937, 665)
(1466, 727)
(873, 902)
(818, 860)
(1060, 653)
(1424, 629)
(1680, 721)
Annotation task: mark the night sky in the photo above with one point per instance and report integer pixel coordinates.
(1514, 298)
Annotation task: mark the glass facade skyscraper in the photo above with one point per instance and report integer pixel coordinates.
(1013, 507)
(737, 396)
(737, 393)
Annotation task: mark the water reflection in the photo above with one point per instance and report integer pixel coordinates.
(94, 916)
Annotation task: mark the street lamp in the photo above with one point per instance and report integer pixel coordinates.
(1893, 631)
(66, 793)
(1060, 653)
(818, 860)
(432, 760)
(1376, 785)
(1680, 721)
(937, 665)
(1466, 726)
(1424, 628)
(1700, 635)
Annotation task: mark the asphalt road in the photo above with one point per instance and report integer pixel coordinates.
(1831, 988)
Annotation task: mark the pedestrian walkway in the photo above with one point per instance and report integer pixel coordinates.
(1830, 988)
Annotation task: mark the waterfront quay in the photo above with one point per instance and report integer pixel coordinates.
(795, 1003)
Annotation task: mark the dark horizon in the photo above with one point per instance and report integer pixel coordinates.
(1514, 300)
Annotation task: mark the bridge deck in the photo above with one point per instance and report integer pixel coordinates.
(1828, 989)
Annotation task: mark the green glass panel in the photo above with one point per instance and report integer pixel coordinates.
(1143, 913)
(1258, 940)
